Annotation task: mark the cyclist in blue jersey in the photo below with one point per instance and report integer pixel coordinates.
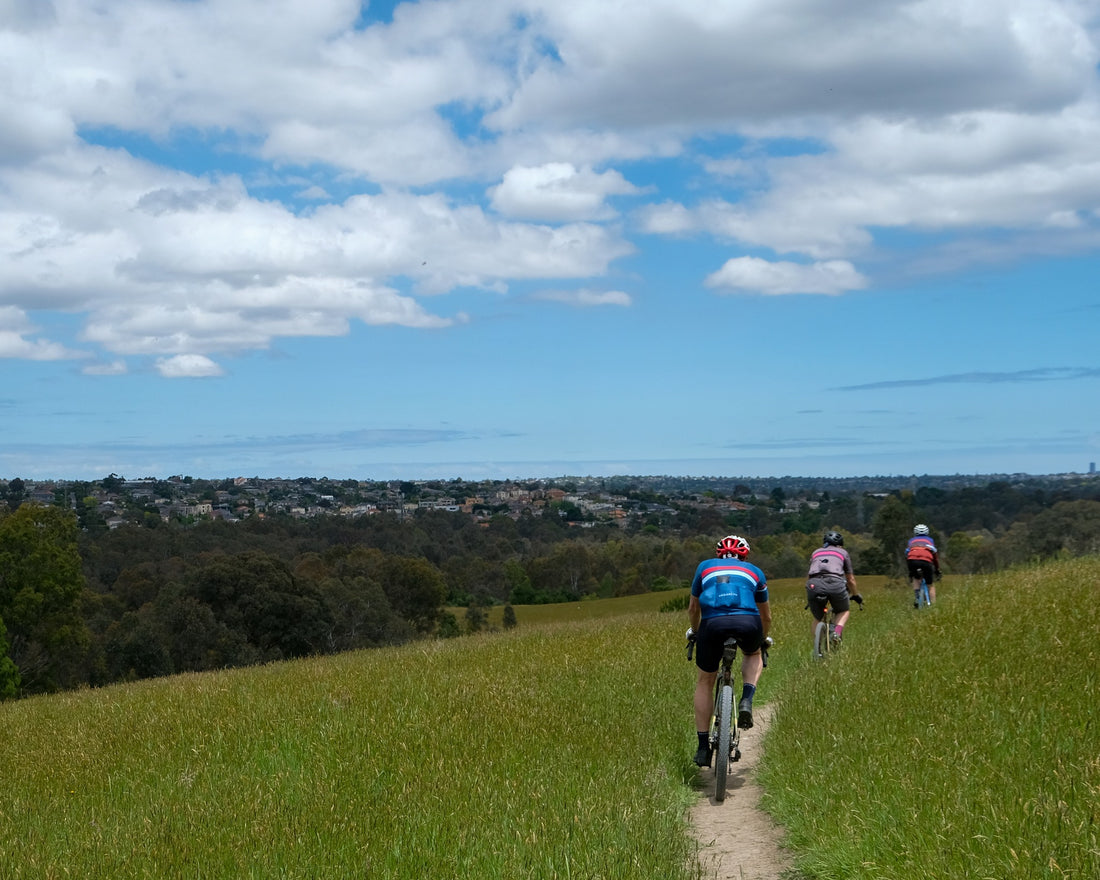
(729, 597)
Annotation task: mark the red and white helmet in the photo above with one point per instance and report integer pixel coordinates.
(732, 545)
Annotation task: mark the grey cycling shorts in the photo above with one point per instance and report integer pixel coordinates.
(829, 590)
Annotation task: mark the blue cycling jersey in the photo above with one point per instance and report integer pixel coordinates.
(729, 586)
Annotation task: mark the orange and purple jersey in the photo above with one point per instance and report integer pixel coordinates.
(921, 548)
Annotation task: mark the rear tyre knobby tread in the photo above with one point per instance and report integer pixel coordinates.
(722, 747)
(821, 640)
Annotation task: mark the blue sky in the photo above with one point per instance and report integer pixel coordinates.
(495, 239)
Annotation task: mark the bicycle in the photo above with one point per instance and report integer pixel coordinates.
(825, 642)
(823, 635)
(920, 595)
(725, 736)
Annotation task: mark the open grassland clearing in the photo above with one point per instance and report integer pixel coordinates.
(955, 742)
(548, 752)
(589, 609)
(960, 741)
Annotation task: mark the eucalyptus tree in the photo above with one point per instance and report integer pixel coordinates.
(41, 585)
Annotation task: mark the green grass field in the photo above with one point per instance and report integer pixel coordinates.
(957, 742)
(529, 615)
(550, 752)
(960, 741)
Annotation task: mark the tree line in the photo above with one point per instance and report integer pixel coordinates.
(86, 607)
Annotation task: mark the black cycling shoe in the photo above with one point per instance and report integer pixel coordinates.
(744, 714)
(702, 757)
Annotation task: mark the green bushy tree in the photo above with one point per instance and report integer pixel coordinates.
(9, 672)
(257, 595)
(892, 526)
(41, 584)
(476, 617)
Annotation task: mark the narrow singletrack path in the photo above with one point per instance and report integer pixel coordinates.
(737, 839)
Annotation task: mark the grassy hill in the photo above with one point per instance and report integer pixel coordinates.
(961, 741)
(955, 742)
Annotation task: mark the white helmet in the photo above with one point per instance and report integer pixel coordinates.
(921, 529)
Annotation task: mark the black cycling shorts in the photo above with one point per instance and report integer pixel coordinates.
(921, 568)
(822, 590)
(713, 632)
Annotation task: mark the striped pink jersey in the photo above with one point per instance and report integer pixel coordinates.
(829, 560)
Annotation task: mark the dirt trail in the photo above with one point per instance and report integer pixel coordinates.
(737, 839)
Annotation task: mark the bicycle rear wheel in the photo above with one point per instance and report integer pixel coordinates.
(822, 644)
(924, 597)
(723, 718)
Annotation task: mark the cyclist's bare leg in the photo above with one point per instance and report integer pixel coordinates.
(932, 592)
(704, 699)
(841, 619)
(815, 620)
(751, 667)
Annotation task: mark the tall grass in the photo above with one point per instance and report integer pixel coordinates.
(958, 742)
(549, 752)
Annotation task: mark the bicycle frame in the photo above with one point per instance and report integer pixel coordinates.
(921, 595)
(823, 644)
(823, 635)
(725, 735)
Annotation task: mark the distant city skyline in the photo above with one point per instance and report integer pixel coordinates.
(948, 480)
(481, 240)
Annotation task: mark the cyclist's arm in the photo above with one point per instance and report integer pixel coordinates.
(849, 575)
(765, 617)
(695, 613)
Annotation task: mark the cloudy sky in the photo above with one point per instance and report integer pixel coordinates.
(514, 238)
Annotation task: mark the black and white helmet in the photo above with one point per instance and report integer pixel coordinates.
(920, 529)
(834, 538)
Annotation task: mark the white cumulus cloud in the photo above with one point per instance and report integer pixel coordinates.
(188, 366)
(16, 331)
(464, 144)
(752, 274)
(558, 191)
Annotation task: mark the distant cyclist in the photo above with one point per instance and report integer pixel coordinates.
(729, 597)
(831, 581)
(923, 560)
